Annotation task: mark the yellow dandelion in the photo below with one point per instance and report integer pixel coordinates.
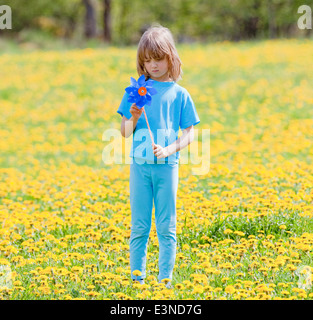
(197, 290)
(166, 280)
(179, 286)
(230, 289)
(137, 273)
(285, 293)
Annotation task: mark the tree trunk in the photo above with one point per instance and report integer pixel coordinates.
(107, 20)
(250, 27)
(90, 20)
(271, 20)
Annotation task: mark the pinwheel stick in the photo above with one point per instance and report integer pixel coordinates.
(140, 92)
(143, 108)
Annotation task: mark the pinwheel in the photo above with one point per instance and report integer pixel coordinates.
(140, 92)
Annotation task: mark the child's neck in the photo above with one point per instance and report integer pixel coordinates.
(166, 79)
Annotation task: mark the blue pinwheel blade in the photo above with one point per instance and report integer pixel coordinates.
(141, 80)
(152, 91)
(141, 102)
(130, 89)
(131, 99)
(134, 82)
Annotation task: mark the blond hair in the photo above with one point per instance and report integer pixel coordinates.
(157, 42)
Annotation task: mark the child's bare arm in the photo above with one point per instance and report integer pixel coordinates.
(128, 125)
(183, 141)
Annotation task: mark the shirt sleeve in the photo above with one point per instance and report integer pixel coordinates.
(189, 115)
(124, 107)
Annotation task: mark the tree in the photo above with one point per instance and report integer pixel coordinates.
(107, 20)
(90, 19)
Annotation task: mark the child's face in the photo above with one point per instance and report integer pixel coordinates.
(157, 69)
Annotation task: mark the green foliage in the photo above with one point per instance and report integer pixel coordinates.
(57, 17)
(188, 20)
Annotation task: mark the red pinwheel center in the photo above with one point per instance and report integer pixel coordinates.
(142, 91)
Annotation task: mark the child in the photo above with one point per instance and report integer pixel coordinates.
(154, 166)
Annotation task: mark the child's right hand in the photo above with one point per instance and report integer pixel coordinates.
(135, 111)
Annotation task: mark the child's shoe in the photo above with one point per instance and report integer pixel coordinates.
(168, 284)
(141, 281)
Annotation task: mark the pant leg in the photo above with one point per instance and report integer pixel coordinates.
(141, 202)
(165, 184)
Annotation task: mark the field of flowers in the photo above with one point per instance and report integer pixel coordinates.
(244, 229)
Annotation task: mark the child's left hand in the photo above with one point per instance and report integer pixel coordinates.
(159, 151)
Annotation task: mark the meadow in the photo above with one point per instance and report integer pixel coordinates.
(244, 229)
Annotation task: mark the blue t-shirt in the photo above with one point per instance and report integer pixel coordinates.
(171, 108)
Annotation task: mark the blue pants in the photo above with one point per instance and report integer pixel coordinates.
(150, 181)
